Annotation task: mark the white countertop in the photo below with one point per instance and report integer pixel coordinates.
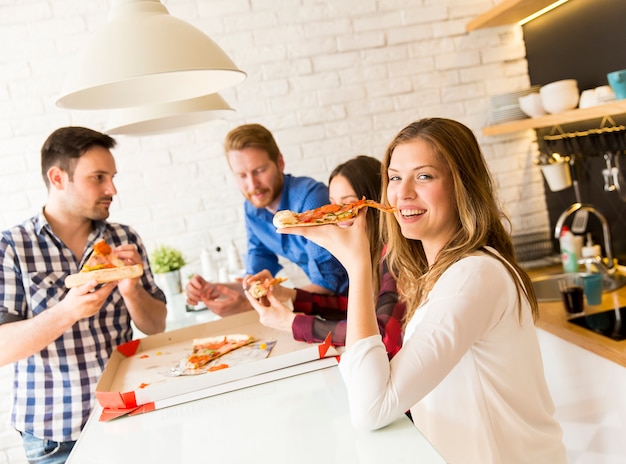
(301, 419)
(305, 418)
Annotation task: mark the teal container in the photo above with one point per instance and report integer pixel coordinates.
(592, 284)
(617, 81)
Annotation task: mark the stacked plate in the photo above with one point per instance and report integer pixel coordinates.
(505, 107)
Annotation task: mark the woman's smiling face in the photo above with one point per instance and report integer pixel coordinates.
(421, 187)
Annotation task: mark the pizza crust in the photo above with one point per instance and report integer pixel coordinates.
(285, 218)
(104, 275)
(259, 289)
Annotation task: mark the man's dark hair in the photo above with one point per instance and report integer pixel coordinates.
(67, 144)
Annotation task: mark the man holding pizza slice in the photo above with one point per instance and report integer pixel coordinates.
(258, 168)
(60, 338)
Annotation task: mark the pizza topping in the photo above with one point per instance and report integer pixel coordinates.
(205, 350)
(327, 214)
(219, 367)
(102, 248)
(101, 258)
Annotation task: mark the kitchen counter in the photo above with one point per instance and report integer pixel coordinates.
(252, 424)
(315, 404)
(302, 419)
(552, 318)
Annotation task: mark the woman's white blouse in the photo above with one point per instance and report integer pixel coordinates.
(470, 372)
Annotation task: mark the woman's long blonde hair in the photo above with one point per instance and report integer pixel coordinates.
(480, 220)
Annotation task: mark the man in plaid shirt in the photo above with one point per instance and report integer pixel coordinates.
(59, 340)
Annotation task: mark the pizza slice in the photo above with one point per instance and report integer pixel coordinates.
(205, 350)
(259, 289)
(101, 258)
(103, 267)
(326, 214)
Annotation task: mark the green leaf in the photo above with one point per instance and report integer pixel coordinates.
(166, 259)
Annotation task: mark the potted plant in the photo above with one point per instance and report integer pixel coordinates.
(166, 263)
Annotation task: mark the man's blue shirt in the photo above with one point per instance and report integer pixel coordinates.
(265, 244)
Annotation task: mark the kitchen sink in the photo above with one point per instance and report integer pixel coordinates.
(547, 286)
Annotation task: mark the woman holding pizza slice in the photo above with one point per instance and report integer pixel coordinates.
(314, 316)
(470, 367)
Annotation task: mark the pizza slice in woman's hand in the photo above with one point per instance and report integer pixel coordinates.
(102, 266)
(326, 214)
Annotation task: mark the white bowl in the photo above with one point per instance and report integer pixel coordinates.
(560, 95)
(604, 93)
(531, 105)
(588, 98)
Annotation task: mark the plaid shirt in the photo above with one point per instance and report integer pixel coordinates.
(53, 390)
(317, 315)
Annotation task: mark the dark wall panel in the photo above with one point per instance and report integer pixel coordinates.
(583, 40)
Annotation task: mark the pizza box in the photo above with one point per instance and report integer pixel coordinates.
(137, 377)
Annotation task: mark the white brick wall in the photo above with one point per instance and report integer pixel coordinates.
(331, 80)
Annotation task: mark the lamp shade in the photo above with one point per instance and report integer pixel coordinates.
(145, 56)
(167, 117)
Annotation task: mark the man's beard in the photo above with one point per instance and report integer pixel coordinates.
(272, 193)
(267, 200)
(100, 212)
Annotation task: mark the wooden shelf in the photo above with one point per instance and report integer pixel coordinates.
(566, 117)
(507, 12)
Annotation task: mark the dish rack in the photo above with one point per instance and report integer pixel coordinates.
(535, 249)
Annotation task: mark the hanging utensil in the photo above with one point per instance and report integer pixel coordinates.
(608, 173)
(579, 223)
(618, 178)
(568, 145)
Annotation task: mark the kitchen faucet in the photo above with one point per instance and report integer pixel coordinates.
(611, 277)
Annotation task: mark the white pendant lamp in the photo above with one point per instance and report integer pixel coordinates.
(167, 117)
(145, 56)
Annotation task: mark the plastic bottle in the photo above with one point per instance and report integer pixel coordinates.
(209, 270)
(222, 273)
(590, 250)
(569, 258)
(234, 260)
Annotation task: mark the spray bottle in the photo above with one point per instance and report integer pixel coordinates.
(590, 250)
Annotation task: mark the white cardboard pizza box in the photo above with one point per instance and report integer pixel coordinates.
(136, 378)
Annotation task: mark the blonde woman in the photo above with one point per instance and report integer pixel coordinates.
(470, 369)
